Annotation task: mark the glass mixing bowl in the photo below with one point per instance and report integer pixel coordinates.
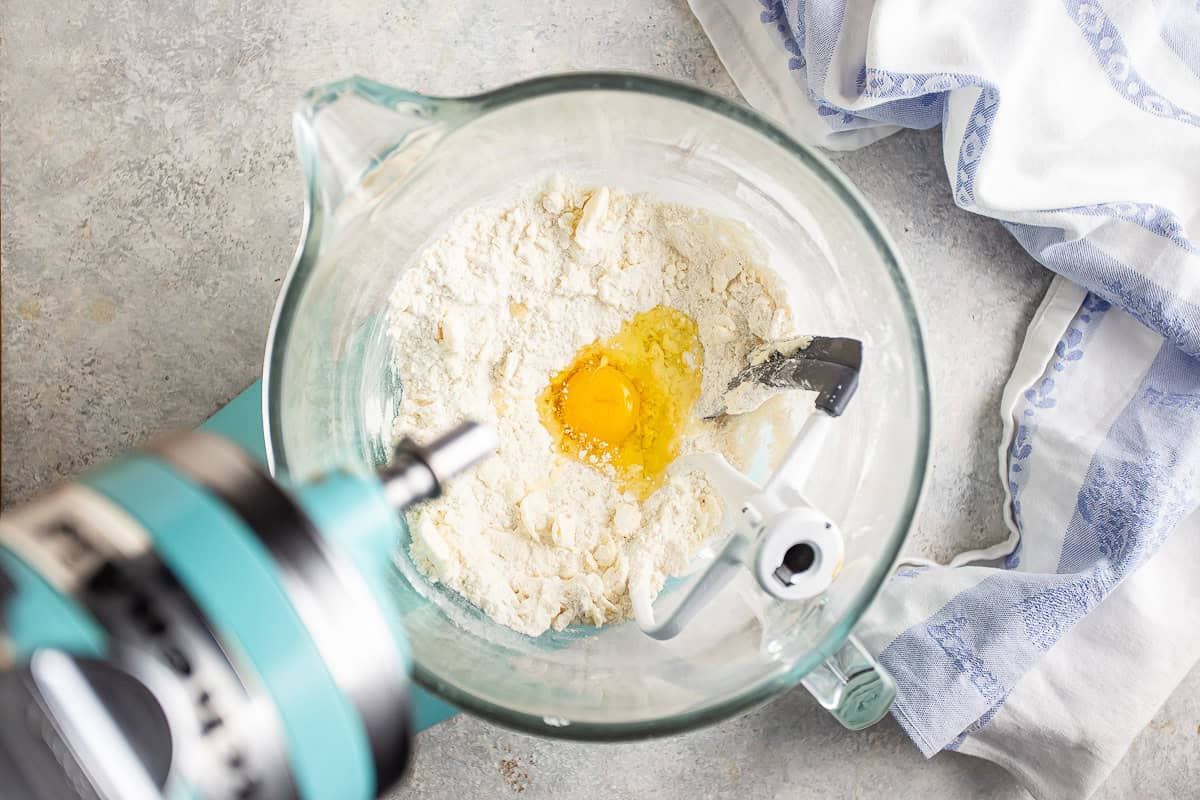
(387, 170)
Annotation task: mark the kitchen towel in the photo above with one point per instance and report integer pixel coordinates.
(1076, 123)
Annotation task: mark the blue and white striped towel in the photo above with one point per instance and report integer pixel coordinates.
(1077, 124)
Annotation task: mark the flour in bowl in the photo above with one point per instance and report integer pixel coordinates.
(540, 536)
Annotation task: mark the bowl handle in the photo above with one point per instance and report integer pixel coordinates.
(852, 686)
(359, 133)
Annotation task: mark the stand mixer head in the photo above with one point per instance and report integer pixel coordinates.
(180, 625)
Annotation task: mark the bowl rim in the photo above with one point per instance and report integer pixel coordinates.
(300, 272)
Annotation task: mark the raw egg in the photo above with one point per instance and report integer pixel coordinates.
(601, 403)
(623, 403)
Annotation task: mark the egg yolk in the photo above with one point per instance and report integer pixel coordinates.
(600, 402)
(623, 403)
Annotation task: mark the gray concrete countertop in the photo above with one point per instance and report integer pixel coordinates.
(151, 204)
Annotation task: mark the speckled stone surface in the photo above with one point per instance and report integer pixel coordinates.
(151, 205)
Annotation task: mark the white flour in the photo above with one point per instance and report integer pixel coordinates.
(502, 301)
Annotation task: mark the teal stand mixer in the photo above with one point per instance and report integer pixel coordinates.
(206, 618)
(181, 625)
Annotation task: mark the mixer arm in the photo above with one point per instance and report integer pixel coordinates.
(732, 557)
(793, 550)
